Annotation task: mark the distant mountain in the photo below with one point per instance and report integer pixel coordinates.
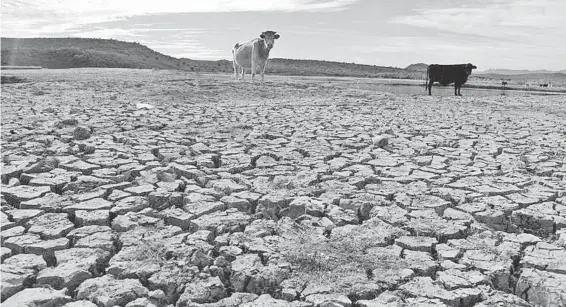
(512, 72)
(557, 79)
(422, 67)
(88, 52)
(329, 68)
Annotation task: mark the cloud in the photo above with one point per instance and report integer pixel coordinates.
(522, 20)
(90, 18)
(449, 48)
(26, 18)
(187, 48)
(179, 42)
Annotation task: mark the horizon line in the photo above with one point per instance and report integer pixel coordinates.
(223, 59)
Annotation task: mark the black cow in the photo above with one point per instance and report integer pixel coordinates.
(446, 74)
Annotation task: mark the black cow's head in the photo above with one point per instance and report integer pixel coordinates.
(469, 68)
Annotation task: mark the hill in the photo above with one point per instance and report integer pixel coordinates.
(531, 78)
(511, 72)
(328, 68)
(91, 52)
(81, 52)
(87, 52)
(422, 67)
(517, 77)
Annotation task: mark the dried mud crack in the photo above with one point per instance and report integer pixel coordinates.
(159, 188)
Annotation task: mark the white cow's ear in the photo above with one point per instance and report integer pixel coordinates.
(276, 36)
(262, 35)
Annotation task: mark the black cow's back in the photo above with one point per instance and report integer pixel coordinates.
(447, 74)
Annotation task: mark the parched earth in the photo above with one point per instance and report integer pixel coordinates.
(155, 188)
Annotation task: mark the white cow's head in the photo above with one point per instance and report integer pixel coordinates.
(269, 38)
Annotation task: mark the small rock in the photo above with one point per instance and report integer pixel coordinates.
(12, 232)
(156, 294)
(446, 252)
(340, 216)
(545, 256)
(237, 299)
(117, 195)
(26, 261)
(89, 218)
(50, 225)
(202, 291)
(70, 122)
(304, 205)
(235, 202)
(74, 266)
(425, 287)
(81, 133)
(5, 222)
(171, 280)
(48, 246)
(50, 202)
(19, 244)
(79, 166)
(86, 231)
(141, 302)
(43, 166)
(230, 252)
(201, 208)
(141, 190)
(81, 303)
(21, 216)
(222, 221)
(162, 199)
(37, 297)
(502, 299)
(89, 205)
(329, 300)
(227, 186)
(15, 279)
(106, 291)
(423, 244)
(103, 240)
(541, 288)
(178, 217)
(14, 182)
(380, 141)
(137, 261)
(5, 253)
(130, 204)
(18, 194)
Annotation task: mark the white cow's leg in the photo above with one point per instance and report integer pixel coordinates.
(254, 67)
(243, 73)
(235, 71)
(263, 71)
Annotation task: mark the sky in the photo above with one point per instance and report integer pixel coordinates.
(512, 34)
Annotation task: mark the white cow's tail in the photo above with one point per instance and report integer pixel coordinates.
(236, 47)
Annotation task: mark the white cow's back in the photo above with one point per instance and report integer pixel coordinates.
(243, 54)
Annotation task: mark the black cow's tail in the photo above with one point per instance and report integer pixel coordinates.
(427, 74)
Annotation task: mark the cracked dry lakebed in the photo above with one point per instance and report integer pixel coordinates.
(161, 188)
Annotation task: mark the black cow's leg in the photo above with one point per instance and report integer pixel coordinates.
(455, 89)
(430, 88)
(459, 88)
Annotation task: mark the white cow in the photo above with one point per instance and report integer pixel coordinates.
(253, 54)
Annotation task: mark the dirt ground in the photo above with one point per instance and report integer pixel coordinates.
(163, 188)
